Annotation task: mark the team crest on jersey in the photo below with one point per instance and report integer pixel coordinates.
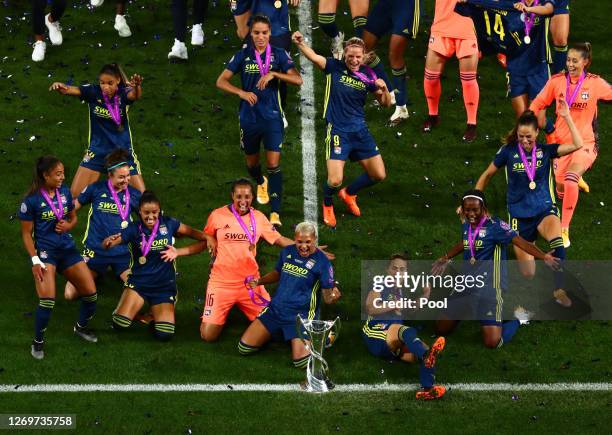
(63, 199)
(584, 95)
(482, 233)
(163, 230)
(43, 254)
(23, 208)
(539, 154)
(310, 264)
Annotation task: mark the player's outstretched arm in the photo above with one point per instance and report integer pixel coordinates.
(532, 249)
(485, 177)
(311, 55)
(65, 89)
(440, 264)
(171, 253)
(192, 233)
(563, 110)
(112, 240)
(268, 278)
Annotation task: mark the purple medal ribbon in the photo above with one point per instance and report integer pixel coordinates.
(529, 20)
(252, 237)
(257, 299)
(530, 170)
(113, 109)
(571, 99)
(472, 240)
(364, 78)
(58, 212)
(123, 212)
(264, 68)
(146, 243)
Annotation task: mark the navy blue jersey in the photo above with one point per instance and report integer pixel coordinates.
(278, 16)
(155, 273)
(389, 318)
(245, 63)
(103, 219)
(35, 208)
(502, 28)
(522, 201)
(103, 132)
(345, 97)
(490, 249)
(301, 281)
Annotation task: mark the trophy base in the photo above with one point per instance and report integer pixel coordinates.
(318, 386)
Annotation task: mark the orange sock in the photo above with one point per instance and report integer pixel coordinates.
(433, 89)
(471, 94)
(570, 198)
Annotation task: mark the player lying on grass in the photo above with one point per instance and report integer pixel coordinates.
(304, 275)
(484, 246)
(153, 273)
(47, 216)
(530, 197)
(387, 337)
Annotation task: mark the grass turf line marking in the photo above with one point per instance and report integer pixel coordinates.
(309, 136)
(288, 388)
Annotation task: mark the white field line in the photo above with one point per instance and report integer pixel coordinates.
(290, 388)
(309, 137)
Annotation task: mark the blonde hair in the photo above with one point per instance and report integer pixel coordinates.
(307, 227)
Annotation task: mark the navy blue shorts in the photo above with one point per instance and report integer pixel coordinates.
(401, 17)
(530, 84)
(561, 7)
(239, 7)
(485, 305)
(375, 338)
(280, 326)
(356, 146)
(153, 295)
(62, 259)
(528, 227)
(94, 160)
(271, 133)
(100, 263)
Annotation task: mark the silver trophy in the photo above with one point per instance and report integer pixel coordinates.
(317, 380)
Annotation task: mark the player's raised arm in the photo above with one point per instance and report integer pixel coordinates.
(299, 40)
(65, 89)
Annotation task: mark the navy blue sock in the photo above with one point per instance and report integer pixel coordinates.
(559, 56)
(255, 173)
(408, 336)
(556, 245)
(427, 376)
(399, 83)
(42, 316)
(327, 22)
(88, 309)
(359, 23)
(328, 194)
(275, 188)
(359, 183)
(549, 127)
(164, 331)
(378, 67)
(509, 328)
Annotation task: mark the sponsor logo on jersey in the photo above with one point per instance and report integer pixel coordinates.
(294, 269)
(235, 236)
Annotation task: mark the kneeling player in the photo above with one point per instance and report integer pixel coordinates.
(386, 336)
(153, 275)
(302, 270)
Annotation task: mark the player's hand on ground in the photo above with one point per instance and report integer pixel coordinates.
(297, 38)
(39, 272)
(263, 81)
(332, 295)
(62, 226)
(59, 87)
(329, 255)
(135, 80)
(249, 97)
(563, 108)
(169, 254)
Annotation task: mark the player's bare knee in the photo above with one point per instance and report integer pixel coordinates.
(334, 181)
(491, 342)
(209, 335)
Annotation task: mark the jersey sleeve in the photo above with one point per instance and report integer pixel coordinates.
(86, 195)
(552, 150)
(211, 225)
(69, 202)
(135, 195)
(281, 259)
(544, 98)
(501, 158)
(123, 95)
(26, 210)
(327, 273)
(285, 61)
(266, 229)
(330, 65)
(604, 91)
(173, 225)
(503, 232)
(235, 63)
(88, 93)
(130, 234)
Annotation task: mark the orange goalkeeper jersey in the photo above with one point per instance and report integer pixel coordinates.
(449, 23)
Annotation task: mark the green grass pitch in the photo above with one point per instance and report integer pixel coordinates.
(186, 135)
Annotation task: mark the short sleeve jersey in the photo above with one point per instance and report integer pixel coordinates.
(449, 23)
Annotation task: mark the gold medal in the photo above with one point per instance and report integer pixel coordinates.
(527, 39)
(532, 185)
(473, 260)
(142, 260)
(124, 225)
(278, 4)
